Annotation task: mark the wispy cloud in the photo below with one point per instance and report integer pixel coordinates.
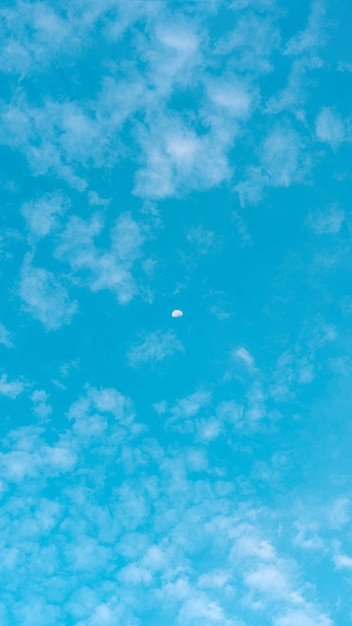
(245, 356)
(44, 297)
(327, 221)
(329, 127)
(11, 389)
(282, 164)
(103, 268)
(42, 214)
(41, 408)
(154, 348)
(179, 159)
(5, 336)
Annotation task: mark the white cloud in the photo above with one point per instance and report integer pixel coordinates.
(91, 412)
(269, 580)
(342, 561)
(282, 164)
(234, 98)
(311, 38)
(307, 537)
(298, 617)
(44, 297)
(190, 414)
(293, 369)
(5, 337)
(329, 127)
(34, 35)
(202, 240)
(339, 513)
(177, 158)
(154, 348)
(40, 406)
(106, 269)
(208, 429)
(281, 152)
(172, 52)
(327, 221)
(245, 356)
(230, 411)
(11, 389)
(248, 52)
(191, 405)
(30, 457)
(42, 215)
(294, 95)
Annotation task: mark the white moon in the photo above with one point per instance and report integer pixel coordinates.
(176, 313)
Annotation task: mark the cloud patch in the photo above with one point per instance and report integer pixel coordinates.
(44, 297)
(154, 348)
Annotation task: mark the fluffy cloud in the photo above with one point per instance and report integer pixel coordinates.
(11, 389)
(42, 215)
(44, 297)
(329, 127)
(154, 348)
(104, 268)
(5, 337)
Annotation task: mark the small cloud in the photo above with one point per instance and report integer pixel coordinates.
(5, 337)
(245, 356)
(201, 239)
(339, 513)
(329, 127)
(45, 298)
(11, 389)
(42, 215)
(155, 347)
(191, 405)
(100, 268)
(190, 414)
(281, 165)
(268, 579)
(281, 151)
(209, 429)
(327, 222)
(160, 407)
(40, 406)
(342, 561)
(308, 40)
(177, 159)
(302, 617)
(95, 199)
(233, 98)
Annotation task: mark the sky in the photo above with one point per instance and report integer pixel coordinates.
(160, 155)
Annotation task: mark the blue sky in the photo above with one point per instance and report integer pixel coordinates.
(160, 155)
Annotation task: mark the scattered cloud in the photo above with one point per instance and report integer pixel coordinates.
(328, 221)
(11, 389)
(202, 240)
(103, 268)
(329, 127)
(42, 214)
(41, 408)
(113, 114)
(5, 337)
(245, 356)
(342, 561)
(309, 40)
(154, 348)
(282, 164)
(179, 159)
(44, 297)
